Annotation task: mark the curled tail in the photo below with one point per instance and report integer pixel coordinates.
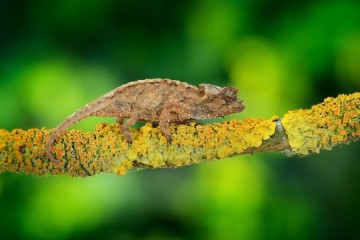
(87, 111)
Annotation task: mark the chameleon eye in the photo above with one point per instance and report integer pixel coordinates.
(230, 93)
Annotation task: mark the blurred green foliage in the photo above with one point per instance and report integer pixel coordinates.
(55, 56)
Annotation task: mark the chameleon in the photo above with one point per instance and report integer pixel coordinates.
(159, 101)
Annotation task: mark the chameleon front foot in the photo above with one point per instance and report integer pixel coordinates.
(126, 134)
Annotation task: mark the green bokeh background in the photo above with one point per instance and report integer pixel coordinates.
(56, 56)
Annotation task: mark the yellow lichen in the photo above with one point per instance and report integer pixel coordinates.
(193, 143)
(324, 125)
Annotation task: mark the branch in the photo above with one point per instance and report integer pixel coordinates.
(300, 132)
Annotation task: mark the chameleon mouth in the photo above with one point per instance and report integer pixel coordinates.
(241, 105)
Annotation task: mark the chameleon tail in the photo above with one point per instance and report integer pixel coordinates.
(87, 111)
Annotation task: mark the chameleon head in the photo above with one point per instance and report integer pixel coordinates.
(219, 102)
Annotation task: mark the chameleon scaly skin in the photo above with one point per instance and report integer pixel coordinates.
(162, 101)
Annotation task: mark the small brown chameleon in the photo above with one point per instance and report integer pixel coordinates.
(162, 101)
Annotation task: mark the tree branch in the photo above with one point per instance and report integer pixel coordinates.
(302, 132)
